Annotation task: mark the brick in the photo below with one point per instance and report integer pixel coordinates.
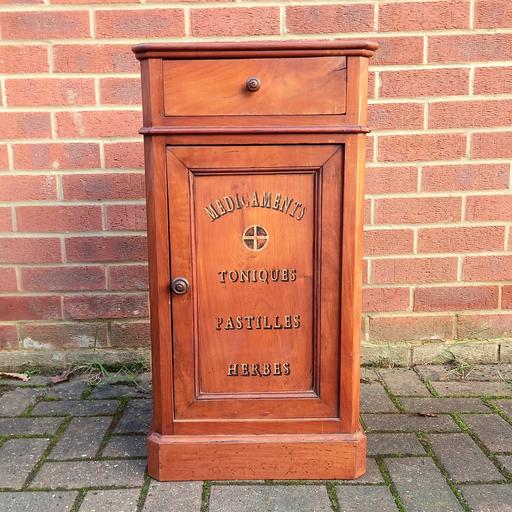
(398, 50)
(489, 497)
(99, 249)
(493, 14)
(464, 239)
(414, 16)
(394, 444)
(490, 80)
(412, 328)
(58, 218)
(235, 21)
(469, 48)
(491, 145)
(469, 352)
(472, 388)
(128, 217)
(319, 19)
(4, 160)
(469, 114)
(414, 270)
(5, 221)
(487, 268)
(126, 446)
(136, 418)
(385, 299)
(411, 148)
(183, 496)
(387, 180)
(388, 241)
(124, 155)
(375, 399)
(395, 116)
(448, 298)
(367, 211)
(8, 279)
(64, 335)
(506, 298)
(44, 91)
(56, 156)
(128, 277)
(484, 326)
(30, 250)
(16, 401)
(105, 501)
(421, 486)
(480, 372)
(358, 498)
(45, 25)
(493, 431)
(424, 82)
(115, 58)
(133, 334)
(418, 210)
(489, 208)
(27, 188)
(443, 405)
(464, 177)
(24, 59)
(24, 125)
(90, 473)
(120, 91)
(108, 123)
(140, 23)
(29, 426)
(91, 307)
(63, 278)
(408, 423)
(29, 308)
(103, 186)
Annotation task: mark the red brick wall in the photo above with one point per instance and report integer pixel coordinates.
(439, 204)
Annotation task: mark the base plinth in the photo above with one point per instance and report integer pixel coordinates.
(257, 457)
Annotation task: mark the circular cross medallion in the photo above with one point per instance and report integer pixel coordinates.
(255, 238)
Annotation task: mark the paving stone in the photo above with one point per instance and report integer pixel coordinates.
(122, 500)
(118, 391)
(90, 473)
(269, 498)
(82, 438)
(488, 498)
(404, 381)
(463, 459)
(17, 459)
(68, 390)
(394, 444)
(182, 496)
(477, 372)
(365, 498)
(420, 485)
(472, 388)
(505, 406)
(375, 399)
(76, 408)
(443, 405)
(506, 460)
(34, 380)
(126, 446)
(29, 426)
(136, 417)
(409, 423)
(14, 402)
(371, 476)
(493, 430)
(368, 375)
(61, 501)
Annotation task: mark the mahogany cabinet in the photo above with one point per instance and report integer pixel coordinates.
(254, 156)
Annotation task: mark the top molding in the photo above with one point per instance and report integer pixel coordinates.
(255, 49)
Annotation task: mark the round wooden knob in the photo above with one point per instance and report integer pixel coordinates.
(179, 286)
(253, 84)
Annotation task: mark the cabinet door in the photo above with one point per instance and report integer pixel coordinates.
(257, 232)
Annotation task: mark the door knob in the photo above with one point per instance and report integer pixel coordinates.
(179, 285)
(253, 84)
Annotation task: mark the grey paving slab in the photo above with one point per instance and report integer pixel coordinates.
(136, 417)
(505, 405)
(394, 444)
(443, 405)
(493, 430)
(61, 501)
(15, 401)
(420, 485)
(119, 391)
(404, 381)
(368, 375)
(365, 498)
(68, 390)
(76, 408)
(375, 399)
(478, 372)
(463, 459)
(472, 388)
(119, 500)
(29, 426)
(371, 476)
(269, 498)
(90, 473)
(408, 423)
(506, 460)
(82, 438)
(17, 459)
(126, 446)
(488, 498)
(182, 496)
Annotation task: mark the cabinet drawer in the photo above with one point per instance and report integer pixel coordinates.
(287, 86)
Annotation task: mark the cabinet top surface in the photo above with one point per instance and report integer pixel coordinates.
(255, 49)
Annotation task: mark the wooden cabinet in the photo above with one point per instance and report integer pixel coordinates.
(255, 170)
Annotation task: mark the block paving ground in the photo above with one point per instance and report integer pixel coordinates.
(436, 442)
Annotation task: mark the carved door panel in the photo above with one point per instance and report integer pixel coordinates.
(256, 231)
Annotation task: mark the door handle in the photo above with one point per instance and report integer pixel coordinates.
(179, 285)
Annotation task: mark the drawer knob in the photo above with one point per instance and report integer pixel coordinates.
(179, 286)
(253, 84)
